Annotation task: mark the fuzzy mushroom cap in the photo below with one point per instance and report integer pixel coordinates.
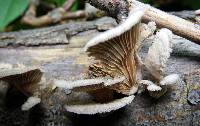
(24, 79)
(115, 49)
(88, 84)
(94, 108)
(197, 12)
(170, 79)
(159, 53)
(31, 101)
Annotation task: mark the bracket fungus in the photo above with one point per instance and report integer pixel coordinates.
(116, 51)
(27, 81)
(114, 70)
(155, 62)
(116, 67)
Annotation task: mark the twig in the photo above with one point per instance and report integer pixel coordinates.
(54, 16)
(117, 9)
(178, 25)
(51, 17)
(68, 4)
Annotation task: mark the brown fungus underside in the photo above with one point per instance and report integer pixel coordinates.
(26, 81)
(117, 58)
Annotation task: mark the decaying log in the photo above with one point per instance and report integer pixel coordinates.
(56, 35)
(66, 60)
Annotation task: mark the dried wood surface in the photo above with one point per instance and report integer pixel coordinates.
(58, 51)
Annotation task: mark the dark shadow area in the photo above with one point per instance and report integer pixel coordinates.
(109, 119)
(14, 99)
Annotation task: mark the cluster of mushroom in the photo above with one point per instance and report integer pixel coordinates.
(115, 74)
(117, 67)
(27, 80)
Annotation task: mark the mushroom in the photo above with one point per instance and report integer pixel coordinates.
(116, 51)
(88, 84)
(94, 108)
(114, 70)
(26, 80)
(116, 67)
(155, 62)
(197, 12)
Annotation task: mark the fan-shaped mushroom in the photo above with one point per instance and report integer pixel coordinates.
(27, 81)
(116, 51)
(94, 108)
(115, 69)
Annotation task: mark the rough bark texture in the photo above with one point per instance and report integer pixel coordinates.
(118, 9)
(61, 57)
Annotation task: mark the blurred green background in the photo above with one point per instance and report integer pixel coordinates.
(12, 10)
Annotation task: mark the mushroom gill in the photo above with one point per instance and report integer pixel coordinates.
(25, 80)
(116, 52)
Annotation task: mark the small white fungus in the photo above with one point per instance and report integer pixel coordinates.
(78, 83)
(170, 79)
(150, 85)
(32, 101)
(100, 108)
(154, 87)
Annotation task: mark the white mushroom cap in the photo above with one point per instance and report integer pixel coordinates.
(170, 79)
(86, 83)
(132, 20)
(159, 53)
(116, 49)
(8, 69)
(197, 12)
(150, 85)
(99, 108)
(153, 87)
(31, 101)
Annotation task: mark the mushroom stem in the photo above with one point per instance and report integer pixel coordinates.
(117, 9)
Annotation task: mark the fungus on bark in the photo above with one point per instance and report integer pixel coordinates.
(24, 80)
(116, 51)
(155, 62)
(94, 108)
(27, 81)
(115, 55)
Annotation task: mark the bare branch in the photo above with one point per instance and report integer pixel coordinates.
(53, 16)
(68, 4)
(116, 8)
(178, 25)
